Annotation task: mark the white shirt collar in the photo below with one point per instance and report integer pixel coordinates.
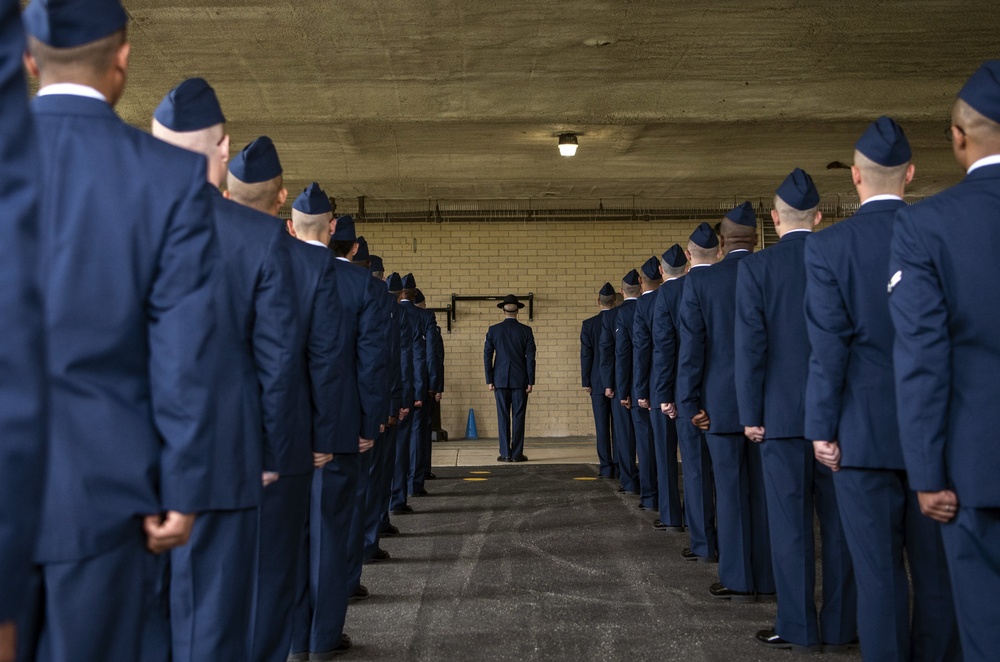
(695, 266)
(73, 89)
(797, 230)
(648, 292)
(673, 278)
(344, 259)
(985, 161)
(738, 250)
(316, 243)
(880, 197)
(631, 298)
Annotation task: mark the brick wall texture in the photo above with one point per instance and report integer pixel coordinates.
(563, 263)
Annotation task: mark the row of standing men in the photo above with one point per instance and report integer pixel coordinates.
(796, 382)
(208, 414)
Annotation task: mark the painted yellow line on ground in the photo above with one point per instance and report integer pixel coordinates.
(480, 473)
(475, 480)
(585, 478)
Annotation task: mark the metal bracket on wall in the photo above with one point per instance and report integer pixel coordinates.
(447, 314)
(530, 297)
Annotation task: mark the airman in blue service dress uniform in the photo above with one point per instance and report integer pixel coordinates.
(851, 419)
(664, 428)
(420, 442)
(413, 324)
(590, 366)
(22, 389)
(212, 576)
(632, 379)
(706, 395)
(699, 489)
(129, 277)
(509, 359)
(624, 434)
(946, 359)
(772, 364)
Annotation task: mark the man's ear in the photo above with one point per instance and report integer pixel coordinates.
(856, 175)
(227, 195)
(290, 227)
(282, 196)
(819, 217)
(31, 65)
(911, 170)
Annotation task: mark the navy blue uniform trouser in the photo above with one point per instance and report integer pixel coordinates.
(356, 537)
(321, 602)
(699, 489)
(107, 607)
(401, 465)
(281, 518)
(797, 486)
(211, 581)
(512, 404)
(380, 490)
(740, 503)
(972, 544)
(667, 476)
(624, 446)
(881, 519)
(646, 456)
(602, 422)
(420, 449)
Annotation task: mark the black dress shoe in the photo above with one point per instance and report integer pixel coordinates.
(660, 526)
(362, 593)
(767, 597)
(389, 531)
(519, 458)
(770, 639)
(688, 555)
(420, 492)
(640, 506)
(326, 656)
(620, 490)
(501, 458)
(401, 510)
(379, 555)
(720, 592)
(431, 475)
(854, 644)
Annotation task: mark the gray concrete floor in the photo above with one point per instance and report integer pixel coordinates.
(543, 562)
(539, 450)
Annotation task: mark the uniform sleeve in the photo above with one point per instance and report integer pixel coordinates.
(22, 366)
(623, 358)
(691, 360)
(418, 353)
(529, 355)
(372, 357)
(607, 348)
(921, 357)
(182, 367)
(586, 354)
(439, 387)
(431, 336)
(488, 351)
(395, 363)
(751, 346)
(642, 353)
(275, 314)
(664, 354)
(830, 334)
(325, 348)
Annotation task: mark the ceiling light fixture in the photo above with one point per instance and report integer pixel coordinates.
(567, 144)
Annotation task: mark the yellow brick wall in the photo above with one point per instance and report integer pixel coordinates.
(562, 263)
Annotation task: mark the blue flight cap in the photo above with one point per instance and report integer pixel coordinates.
(651, 269)
(344, 230)
(375, 264)
(631, 278)
(191, 106)
(71, 23)
(258, 162)
(675, 257)
(884, 143)
(982, 90)
(607, 290)
(362, 254)
(743, 215)
(409, 282)
(313, 201)
(393, 283)
(798, 191)
(704, 236)
(418, 297)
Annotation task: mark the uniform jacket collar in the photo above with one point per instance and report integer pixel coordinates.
(879, 207)
(794, 236)
(984, 172)
(736, 254)
(71, 104)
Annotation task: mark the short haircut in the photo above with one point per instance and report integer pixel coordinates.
(87, 62)
(975, 124)
(410, 293)
(310, 225)
(607, 300)
(736, 235)
(672, 272)
(792, 216)
(631, 290)
(378, 274)
(203, 141)
(878, 177)
(510, 308)
(645, 279)
(259, 195)
(342, 248)
(702, 254)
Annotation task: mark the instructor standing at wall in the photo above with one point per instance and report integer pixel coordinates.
(509, 357)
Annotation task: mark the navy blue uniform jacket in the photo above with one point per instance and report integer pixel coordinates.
(706, 373)
(415, 352)
(590, 341)
(357, 400)
(129, 267)
(850, 395)
(772, 348)
(642, 346)
(947, 354)
(666, 341)
(22, 367)
(514, 346)
(256, 307)
(623, 349)
(315, 339)
(606, 349)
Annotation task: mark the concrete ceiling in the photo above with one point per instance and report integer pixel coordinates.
(461, 99)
